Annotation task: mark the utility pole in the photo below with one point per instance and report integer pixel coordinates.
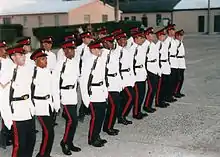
(208, 18)
(116, 6)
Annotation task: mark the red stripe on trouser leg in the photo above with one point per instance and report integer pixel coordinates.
(92, 121)
(148, 93)
(158, 91)
(136, 100)
(43, 148)
(128, 102)
(177, 87)
(69, 123)
(16, 142)
(112, 112)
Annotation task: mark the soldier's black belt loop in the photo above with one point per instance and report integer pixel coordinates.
(42, 97)
(139, 66)
(125, 70)
(23, 97)
(68, 87)
(97, 84)
(112, 75)
(172, 56)
(164, 60)
(180, 56)
(152, 61)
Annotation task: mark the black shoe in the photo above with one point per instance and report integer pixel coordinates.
(182, 95)
(171, 100)
(104, 141)
(140, 115)
(96, 143)
(161, 105)
(110, 132)
(144, 114)
(65, 148)
(116, 130)
(166, 104)
(149, 109)
(74, 148)
(177, 95)
(128, 121)
(123, 121)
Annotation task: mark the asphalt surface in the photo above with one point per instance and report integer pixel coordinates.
(188, 128)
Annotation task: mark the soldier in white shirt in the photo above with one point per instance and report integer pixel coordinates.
(164, 81)
(5, 134)
(127, 79)
(172, 50)
(18, 109)
(65, 77)
(41, 89)
(94, 92)
(102, 33)
(60, 53)
(113, 82)
(82, 53)
(140, 73)
(26, 42)
(130, 40)
(181, 63)
(47, 43)
(153, 70)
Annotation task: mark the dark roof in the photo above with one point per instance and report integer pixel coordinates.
(141, 6)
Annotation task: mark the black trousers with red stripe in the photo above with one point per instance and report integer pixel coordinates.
(127, 101)
(98, 110)
(180, 81)
(70, 115)
(6, 132)
(163, 89)
(112, 110)
(174, 80)
(47, 126)
(152, 81)
(24, 138)
(139, 89)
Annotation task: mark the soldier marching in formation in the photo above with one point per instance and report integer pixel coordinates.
(109, 76)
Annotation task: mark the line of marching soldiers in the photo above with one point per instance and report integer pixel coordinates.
(110, 72)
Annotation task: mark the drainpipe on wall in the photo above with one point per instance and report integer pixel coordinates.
(171, 17)
(208, 18)
(116, 10)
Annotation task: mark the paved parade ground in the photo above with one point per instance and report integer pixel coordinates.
(188, 128)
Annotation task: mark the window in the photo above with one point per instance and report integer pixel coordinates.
(24, 20)
(126, 18)
(6, 20)
(40, 23)
(86, 18)
(144, 20)
(158, 19)
(133, 18)
(56, 20)
(104, 18)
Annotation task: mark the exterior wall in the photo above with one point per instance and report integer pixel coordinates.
(188, 20)
(32, 21)
(95, 10)
(151, 16)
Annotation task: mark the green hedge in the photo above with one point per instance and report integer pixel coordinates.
(10, 32)
(58, 33)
